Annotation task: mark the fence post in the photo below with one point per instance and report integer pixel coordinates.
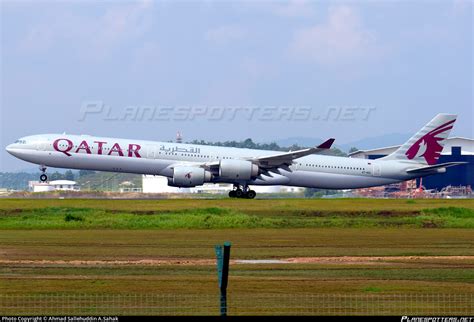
(223, 257)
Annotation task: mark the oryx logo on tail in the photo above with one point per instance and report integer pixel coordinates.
(428, 146)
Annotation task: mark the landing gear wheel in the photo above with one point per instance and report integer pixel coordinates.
(242, 192)
(43, 177)
(239, 193)
(251, 194)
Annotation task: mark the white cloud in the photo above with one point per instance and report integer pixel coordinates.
(225, 34)
(92, 37)
(340, 40)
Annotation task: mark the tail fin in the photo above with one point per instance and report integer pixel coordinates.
(426, 145)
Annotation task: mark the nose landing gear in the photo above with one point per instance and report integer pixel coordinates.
(43, 177)
(242, 192)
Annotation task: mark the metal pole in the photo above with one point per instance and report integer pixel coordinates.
(223, 257)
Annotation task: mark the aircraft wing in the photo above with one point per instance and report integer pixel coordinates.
(286, 158)
(434, 167)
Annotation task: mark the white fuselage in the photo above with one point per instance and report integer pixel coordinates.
(159, 158)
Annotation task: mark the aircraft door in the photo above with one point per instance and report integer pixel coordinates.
(151, 152)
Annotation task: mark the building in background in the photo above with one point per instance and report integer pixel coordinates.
(128, 186)
(456, 149)
(56, 185)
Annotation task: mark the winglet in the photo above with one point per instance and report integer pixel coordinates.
(327, 144)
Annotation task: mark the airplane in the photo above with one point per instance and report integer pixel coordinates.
(190, 165)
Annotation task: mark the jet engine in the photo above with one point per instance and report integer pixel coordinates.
(237, 169)
(189, 177)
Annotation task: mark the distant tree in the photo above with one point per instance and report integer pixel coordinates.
(56, 176)
(353, 149)
(249, 144)
(271, 146)
(309, 192)
(17, 180)
(337, 152)
(69, 175)
(83, 173)
(294, 147)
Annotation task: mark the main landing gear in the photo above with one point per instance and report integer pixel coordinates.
(242, 192)
(43, 177)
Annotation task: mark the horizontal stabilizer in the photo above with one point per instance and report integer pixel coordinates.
(434, 167)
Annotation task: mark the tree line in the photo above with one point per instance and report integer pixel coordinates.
(250, 144)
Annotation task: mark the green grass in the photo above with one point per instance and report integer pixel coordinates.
(226, 218)
(274, 206)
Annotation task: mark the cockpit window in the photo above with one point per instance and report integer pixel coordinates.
(20, 141)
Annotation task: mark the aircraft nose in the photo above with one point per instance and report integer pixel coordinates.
(9, 148)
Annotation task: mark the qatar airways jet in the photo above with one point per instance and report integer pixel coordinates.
(189, 165)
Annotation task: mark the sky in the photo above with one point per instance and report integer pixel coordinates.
(230, 70)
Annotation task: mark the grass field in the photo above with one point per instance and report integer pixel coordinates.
(220, 214)
(167, 247)
(255, 205)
